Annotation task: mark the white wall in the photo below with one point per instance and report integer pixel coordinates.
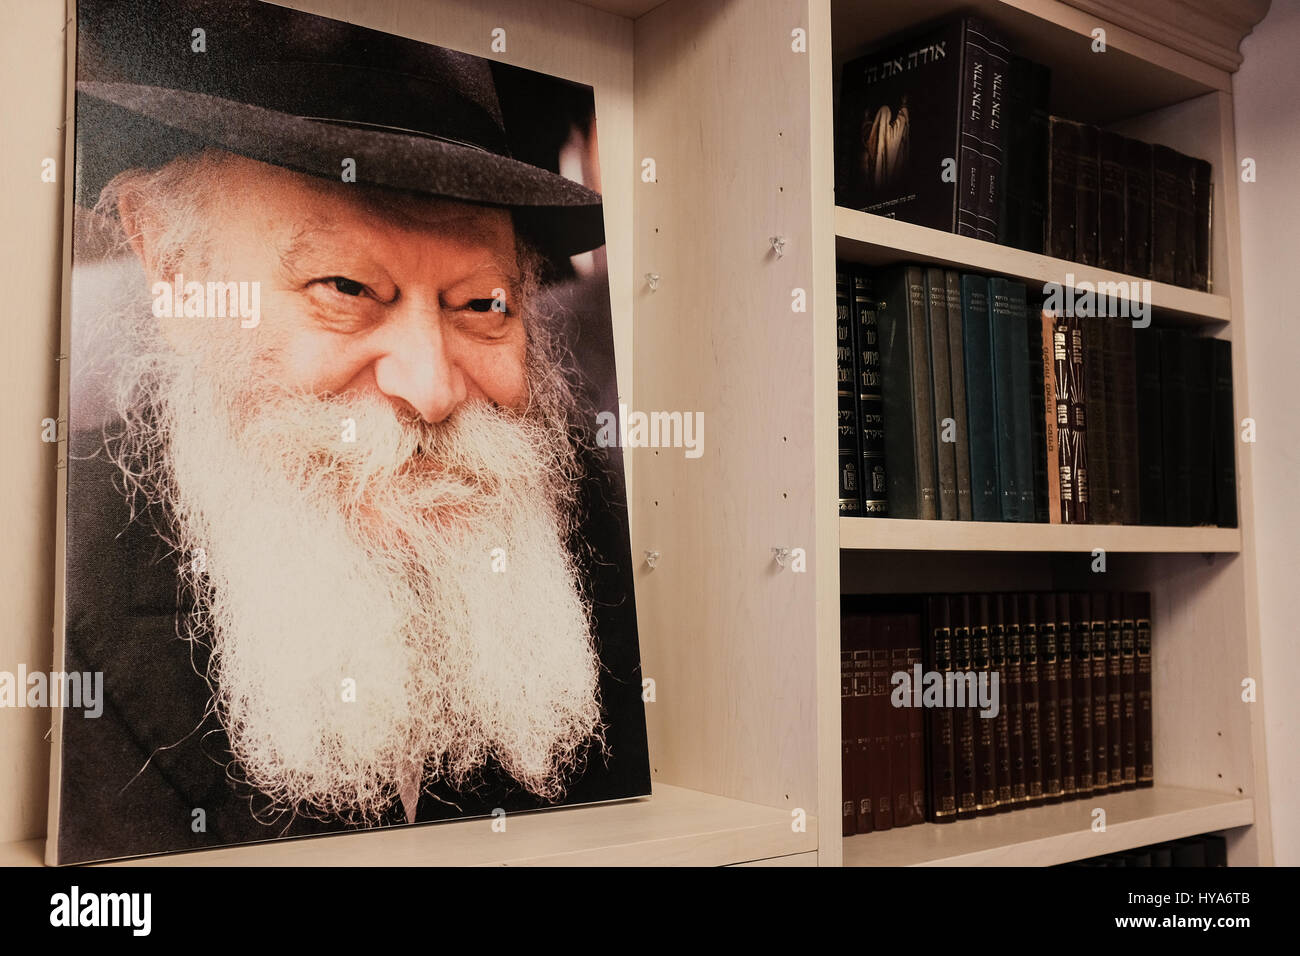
(1266, 95)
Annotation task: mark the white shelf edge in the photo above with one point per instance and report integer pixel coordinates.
(905, 241)
(906, 534)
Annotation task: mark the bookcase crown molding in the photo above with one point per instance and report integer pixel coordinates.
(1208, 30)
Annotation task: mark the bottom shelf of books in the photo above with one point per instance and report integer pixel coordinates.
(1055, 833)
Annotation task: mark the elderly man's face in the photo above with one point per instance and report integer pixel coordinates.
(381, 295)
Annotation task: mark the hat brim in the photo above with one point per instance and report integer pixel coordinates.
(125, 125)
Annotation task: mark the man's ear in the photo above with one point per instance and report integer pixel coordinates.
(133, 225)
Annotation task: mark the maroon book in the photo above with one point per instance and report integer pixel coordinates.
(882, 731)
(1049, 702)
(1065, 695)
(1011, 693)
(1142, 656)
(940, 720)
(1023, 608)
(848, 741)
(915, 723)
(864, 761)
(1115, 689)
(964, 717)
(900, 763)
(1100, 698)
(1081, 646)
(1128, 681)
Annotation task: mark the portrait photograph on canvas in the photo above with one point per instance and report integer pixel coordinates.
(339, 534)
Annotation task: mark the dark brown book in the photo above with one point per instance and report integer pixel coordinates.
(1100, 697)
(1128, 689)
(1065, 693)
(1081, 647)
(1022, 606)
(1115, 688)
(1165, 169)
(847, 744)
(1137, 218)
(900, 765)
(1142, 652)
(915, 721)
(1068, 436)
(942, 774)
(997, 677)
(1076, 450)
(1185, 259)
(1011, 693)
(986, 744)
(940, 375)
(882, 730)
(1203, 219)
(1063, 161)
(1121, 422)
(1094, 370)
(1055, 412)
(957, 369)
(1086, 197)
(864, 750)
(1112, 153)
(1049, 701)
(964, 717)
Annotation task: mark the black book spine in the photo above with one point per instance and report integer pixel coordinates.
(964, 717)
(1012, 681)
(1023, 391)
(957, 369)
(892, 314)
(1198, 356)
(1113, 163)
(993, 134)
(1100, 697)
(1040, 144)
(1150, 426)
(942, 800)
(1030, 698)
(1062, 172)
(847, 409)
(1142, 653)
(1037, 417)
(1164, 213)
(1175, 421)
(1012, 213)
(872, 473)
(1081, 651)
(1087, 197)
(1203, 199)
(1115, 690)
(1128, 691)
(1077, 393)
(945, 425)
(1011, 411)
(1137, 217)
(1225, 438)
(1094, 365)
(986, 732)
(970, 128)
(1185, 259)
(1065, 694)
(986, 500)
(1121, 422)
(1049, 700)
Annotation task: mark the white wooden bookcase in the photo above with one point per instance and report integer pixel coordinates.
(736, 108)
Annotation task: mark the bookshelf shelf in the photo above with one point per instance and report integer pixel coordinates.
(903, 534)
(676, 826)
(1053, 834)
(877, 240)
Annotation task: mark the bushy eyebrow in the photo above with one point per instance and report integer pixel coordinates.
(307, 240)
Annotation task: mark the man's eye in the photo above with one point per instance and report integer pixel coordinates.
(343, 285)
(486, 305)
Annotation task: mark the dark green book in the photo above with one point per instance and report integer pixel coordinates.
(905, 384)
(1037, 415)
(986, 503)
(870, 402)
(945, 425)
(1011, 398)
(957, 368)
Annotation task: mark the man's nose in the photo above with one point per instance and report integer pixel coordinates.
(415, 367)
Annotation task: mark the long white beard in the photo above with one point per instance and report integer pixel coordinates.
(321, 565)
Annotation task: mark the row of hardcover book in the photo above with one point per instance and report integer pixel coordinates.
(948, 128)
(964, 705)
(961, 398)
(1208, 850)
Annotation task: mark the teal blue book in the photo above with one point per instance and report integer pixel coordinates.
(1011, 399)
(986, 502)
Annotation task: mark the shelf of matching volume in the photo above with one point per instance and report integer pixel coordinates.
(675, 827)
(905, 534)
(877, 240)
(1055, 833)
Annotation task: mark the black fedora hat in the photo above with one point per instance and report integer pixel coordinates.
(306, 93)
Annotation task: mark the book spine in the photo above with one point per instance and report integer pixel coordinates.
(1031, 700)
(1164, 213)
(970, 128)
(1079, 424)
(1086, 197)
(1198, 359)
(1038, 406)
(1142, 653)
(1009, 405)
(1115, 690)
(900, 768)
(850, 488)
(1150, 421)
(1185, 258)
(1175, 425)
(1081, 646)
(986, 742)
(1013, 211)
(964, 717)
(1100, 697)
(915, 724)
(1113, 164)
(865, 757)
(1121, 422)
(1062, 170)
(1203, 200)
(942, 765)
(1002, 721)
(1012, 693)
(1040, 145)
(1052, 411)
(882, 728)
(1137, 214)
(922, 395)
(957, 370)
(847, 743)
(870, 397)
(986, 503)
(904, 488)
(1094, 364)
(993, 133)
(1049, 698)
(1065, 694)
(936, 297)
(1128, 691)
(1225, 438)
(1023, 396)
